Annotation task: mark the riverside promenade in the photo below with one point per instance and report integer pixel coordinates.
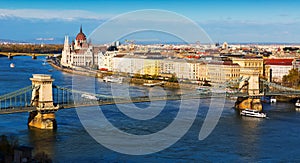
(55, 63)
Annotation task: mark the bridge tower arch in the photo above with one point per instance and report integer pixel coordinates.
(251, 87)
(252, 84)
(44, 115)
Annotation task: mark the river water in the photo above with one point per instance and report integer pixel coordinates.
(235, 138)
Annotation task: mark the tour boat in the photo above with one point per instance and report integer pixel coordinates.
(12, 65)
(252, 113)
(297, 105)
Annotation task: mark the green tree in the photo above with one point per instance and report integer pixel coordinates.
(292, 79)
(173, 79)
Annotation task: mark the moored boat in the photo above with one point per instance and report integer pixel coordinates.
(203, 89)
(153, 84)
(273, 100)
(297, 105)
(113, 79)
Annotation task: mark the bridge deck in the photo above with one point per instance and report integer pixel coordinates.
(111, 102)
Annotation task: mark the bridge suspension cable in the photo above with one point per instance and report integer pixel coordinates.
(18, 100)
(280, 87)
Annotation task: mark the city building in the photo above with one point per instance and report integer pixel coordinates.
(134, 64)
(222, 71)
(105, 61)
(80, 53)
(296, 64)
(276, 68)
(130, 64)
(249, 64)
(184, 69)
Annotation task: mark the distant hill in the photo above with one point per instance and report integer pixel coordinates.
(34, 41)
(11, 41)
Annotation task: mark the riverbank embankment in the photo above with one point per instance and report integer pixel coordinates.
(132, 80)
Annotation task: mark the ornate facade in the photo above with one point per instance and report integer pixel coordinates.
(79, 53)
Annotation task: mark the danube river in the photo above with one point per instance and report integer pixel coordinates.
(234, 138)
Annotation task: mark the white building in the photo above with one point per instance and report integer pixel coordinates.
(296, 64)
(105, 60)
(80, 53)
(134, 64)
(184, 69)
(277, 68)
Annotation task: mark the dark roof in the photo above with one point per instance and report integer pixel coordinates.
(112, 48)
(147, 53)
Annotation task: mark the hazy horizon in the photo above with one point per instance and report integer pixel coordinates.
(224, 21)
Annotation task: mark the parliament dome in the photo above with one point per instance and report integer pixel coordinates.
(80, 35)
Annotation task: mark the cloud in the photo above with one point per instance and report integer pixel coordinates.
(283, 15)
(67, 15)
(44, 39)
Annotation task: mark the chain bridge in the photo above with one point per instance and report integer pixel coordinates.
(42, 99)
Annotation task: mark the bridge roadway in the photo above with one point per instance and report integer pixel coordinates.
(119, 100)
(88, 103)
(13, 54)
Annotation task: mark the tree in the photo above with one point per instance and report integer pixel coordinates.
(173, 79)
(7, 145)
(292, 79)
(42, 157)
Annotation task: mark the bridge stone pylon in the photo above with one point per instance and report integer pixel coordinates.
(251, 87)
(252, 84)
(44, 115)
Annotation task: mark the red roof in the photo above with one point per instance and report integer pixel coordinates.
(80, 35)
(279, 61)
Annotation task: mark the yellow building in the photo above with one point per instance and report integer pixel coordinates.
(220, 72)
(152, 66)
(249, 63)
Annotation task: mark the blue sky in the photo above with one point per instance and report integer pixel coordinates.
(231, 21)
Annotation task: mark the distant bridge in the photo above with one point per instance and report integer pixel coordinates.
(13, 54)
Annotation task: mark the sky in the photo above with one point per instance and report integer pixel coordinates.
(236, 21)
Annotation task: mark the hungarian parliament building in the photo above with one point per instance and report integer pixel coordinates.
(81, 53)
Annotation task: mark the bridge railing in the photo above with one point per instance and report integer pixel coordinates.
(16, 100)
(279, 89)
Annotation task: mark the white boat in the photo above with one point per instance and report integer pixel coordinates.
(153, 84)
(149, 84)
(12, 65)
(203, 89)
(273, 100)
(113, 79)
(297, 105)
(88, 96)
(252, 113)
